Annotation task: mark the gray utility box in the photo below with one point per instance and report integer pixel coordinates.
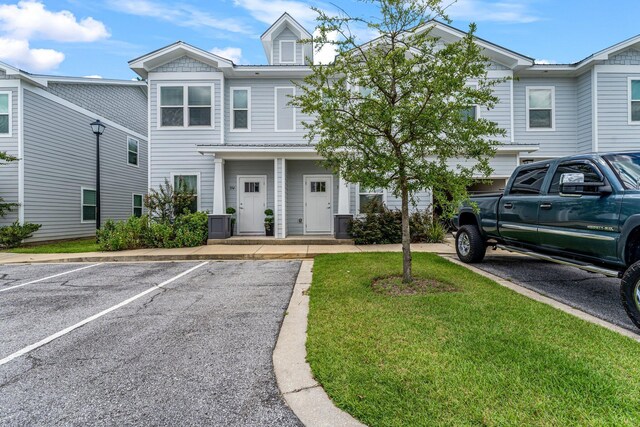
(341, 226)
(219, 226)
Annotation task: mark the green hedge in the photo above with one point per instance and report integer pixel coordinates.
(384, 226)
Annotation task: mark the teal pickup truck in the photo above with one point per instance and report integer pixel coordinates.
(582, 211)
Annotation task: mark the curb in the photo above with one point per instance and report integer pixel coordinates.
(304, 395)
(142, 258)
(546, 300)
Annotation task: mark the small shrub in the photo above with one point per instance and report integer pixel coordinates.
(130, 234)
(12, 235)
(425, 228)
(162, 235)
(166, 203)
(191, 229)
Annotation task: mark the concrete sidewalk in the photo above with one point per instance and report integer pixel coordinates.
(220, 252)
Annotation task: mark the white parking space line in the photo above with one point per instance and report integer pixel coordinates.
(96, 316)
(50, 277)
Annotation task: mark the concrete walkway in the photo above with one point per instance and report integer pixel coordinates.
(219, 252)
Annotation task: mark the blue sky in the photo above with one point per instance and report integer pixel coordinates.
(86, 38)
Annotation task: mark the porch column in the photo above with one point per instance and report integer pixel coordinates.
(343, 197)
(219, 207)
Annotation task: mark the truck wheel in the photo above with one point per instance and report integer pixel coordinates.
(470, 245)
(630, 292)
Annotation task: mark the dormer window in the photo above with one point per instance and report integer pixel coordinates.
(287, 51)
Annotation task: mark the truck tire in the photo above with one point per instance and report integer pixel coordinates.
(470, 245)
(630, 292)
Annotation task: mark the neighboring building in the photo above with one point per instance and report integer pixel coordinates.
(44, 121)
(227, 131)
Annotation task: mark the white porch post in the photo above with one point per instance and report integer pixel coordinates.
(343, 197)
(219, 207)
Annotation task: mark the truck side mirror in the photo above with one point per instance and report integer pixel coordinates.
(573, 185)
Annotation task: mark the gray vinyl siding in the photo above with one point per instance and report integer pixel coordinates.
(627, 57)
(502, 164)
(614, 131)
(9, 172)
(562, 141)
(585, 113)
(125, 105)
(296, 169)
(262, 114)
(185, 64)
(422, 201)
(175, 150)
(59, 159)
(287, 34)
(235, 168)
(501, 113)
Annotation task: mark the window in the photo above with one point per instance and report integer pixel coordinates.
(370, 199)
(287, 51)
(5, 113)
(528, 181)
(88, 205)
(182, 106)
(252, 187)
(469, 113)
(132, 151)
(188, 183)
(137, 205)
(318, 186)
(590, 175)
(285, 119)
(241, 99)
(627, 167)
(540, 108)
(634, 101)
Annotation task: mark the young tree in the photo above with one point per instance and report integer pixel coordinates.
(393, 113)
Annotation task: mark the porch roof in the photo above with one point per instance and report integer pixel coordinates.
(260, 151)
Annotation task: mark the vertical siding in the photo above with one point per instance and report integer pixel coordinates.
(9, 172)
(614, 130)
(234, 168)
(585, 113)
(296, 169)
(59, 159)
(176, 150)
(287, 34)
(262, 114)
(562, 141)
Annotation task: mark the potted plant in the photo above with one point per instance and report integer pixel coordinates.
(232, 212)
(268, 222)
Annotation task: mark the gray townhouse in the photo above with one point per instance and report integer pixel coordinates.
(44, 121)
(227, 130)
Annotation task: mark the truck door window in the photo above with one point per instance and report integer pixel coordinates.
(590, 175)
(528, 181)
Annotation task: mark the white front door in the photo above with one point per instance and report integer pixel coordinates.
(252, 202)
(318, 206)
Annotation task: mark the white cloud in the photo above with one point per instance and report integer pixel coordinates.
(180, 14)
(327, 53)
(545, 61)
(29, 20)
(20, 54)
(93, 76)
(232, 53)
(507, 11)
(269, 11)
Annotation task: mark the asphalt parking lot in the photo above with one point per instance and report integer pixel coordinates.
(592, 293)
(101, 344)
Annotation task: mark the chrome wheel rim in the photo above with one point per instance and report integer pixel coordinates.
(464, 245)
(636, 295)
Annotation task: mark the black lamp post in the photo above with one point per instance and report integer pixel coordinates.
(98, 129)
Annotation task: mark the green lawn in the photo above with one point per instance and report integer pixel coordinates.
(481, 356)
(69, 246)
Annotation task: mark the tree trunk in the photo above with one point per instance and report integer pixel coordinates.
(406, 236)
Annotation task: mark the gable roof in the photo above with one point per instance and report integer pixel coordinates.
(285, 21)
(143, 64)
(22, 75)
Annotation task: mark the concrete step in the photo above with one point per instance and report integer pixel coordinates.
(258, 240)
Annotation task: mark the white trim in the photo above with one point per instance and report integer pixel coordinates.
(266, 200)
(630, 100)
(9, 114)
(133, 203)
(188, 173)
(284, 198)
(499, 74)
(275, 109)
(304, 202)
(21, 198)
(9, 83)
(385, 197)
(295, 47)
(82, 205)
(594, 107)
(137, 164)
(86, 112)
(553, 108)
(275, 197)
(512, 112)
(232, 89)
(185, 106)
(186, 75)
(149, 141)
(222, 110)
(634, 69)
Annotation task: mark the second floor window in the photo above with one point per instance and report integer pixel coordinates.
(469, 113)
(285, 119)
(5, 116)
(634, 101)
(186, 106)
(132, 151)
(540, 108)
(241, 114)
